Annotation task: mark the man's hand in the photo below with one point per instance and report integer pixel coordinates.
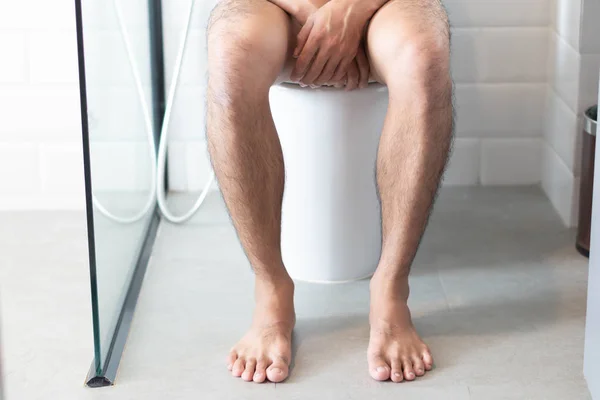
(329, 43)
(358, 73)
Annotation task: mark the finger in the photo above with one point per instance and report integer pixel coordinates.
(353, 76)
(342, 69)
(316, 68)
(363, 67)
(303, 36)
(328, 71)
(304, 59)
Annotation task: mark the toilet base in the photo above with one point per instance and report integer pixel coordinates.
(331, 217)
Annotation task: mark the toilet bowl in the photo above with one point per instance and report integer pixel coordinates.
(331, 220)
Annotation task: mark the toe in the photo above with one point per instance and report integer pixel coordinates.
(248, 373)
(378, 368)
(418, 365)
(260, 374)
(278, 370)
(397, 371)
(409, 373)
(427, 359)
(238, 367)
(231, 359)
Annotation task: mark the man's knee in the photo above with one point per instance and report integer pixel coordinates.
(247, 40)
(423, 57)
(415, 53)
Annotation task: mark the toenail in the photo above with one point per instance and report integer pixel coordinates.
(381, 369)
(276, 371)
(397, 374)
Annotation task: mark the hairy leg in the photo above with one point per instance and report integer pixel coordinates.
(408, 47)
(248, 43)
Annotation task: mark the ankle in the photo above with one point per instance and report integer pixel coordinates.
(277, 284)
(273, 276)
(390, 284)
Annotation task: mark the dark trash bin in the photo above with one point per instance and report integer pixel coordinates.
(586, 189)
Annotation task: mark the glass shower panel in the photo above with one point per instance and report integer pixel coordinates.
(118, 68)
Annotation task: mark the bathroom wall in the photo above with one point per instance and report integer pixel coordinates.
(189, 166)
(40, 132)
(41, 159)
(499, 65)
(574, 62)
(499, 53)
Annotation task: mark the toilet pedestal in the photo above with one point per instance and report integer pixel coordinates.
(331, 223)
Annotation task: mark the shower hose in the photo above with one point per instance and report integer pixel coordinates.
(158, 162)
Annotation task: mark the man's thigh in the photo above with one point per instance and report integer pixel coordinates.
(253, 33)
(402, 23)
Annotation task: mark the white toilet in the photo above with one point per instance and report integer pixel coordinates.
(331, 223)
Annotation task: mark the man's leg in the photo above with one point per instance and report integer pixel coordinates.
(247, 48)
(409, 50)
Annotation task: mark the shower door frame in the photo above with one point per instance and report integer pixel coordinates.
(104, 374)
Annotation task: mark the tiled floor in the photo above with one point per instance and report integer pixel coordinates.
(498, 292)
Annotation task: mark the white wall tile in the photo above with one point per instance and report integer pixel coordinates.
(13, 68)
(178, 166)
(552, 55)
(117, 166)
(27, 202)
(115, 113)
(194, 64)
(53, 57)
(175, 13)
(144, 162)
(37, 14)
(561, 187)
(494, 110)
(463, 63)
(588, 80)
(565, 77)
(463, 168)
(106, 57)
(198, 165)
(590, 29)
(497, 12)
(561, 131)
(19, 169)
(553, 14)
(568, 21)
(40, 112)
(500, 55)
(39, 99)
(510, 161)
(61, 169)
(189, 112)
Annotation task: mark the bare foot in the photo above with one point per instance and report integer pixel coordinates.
(395, 351)
(265, 351)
